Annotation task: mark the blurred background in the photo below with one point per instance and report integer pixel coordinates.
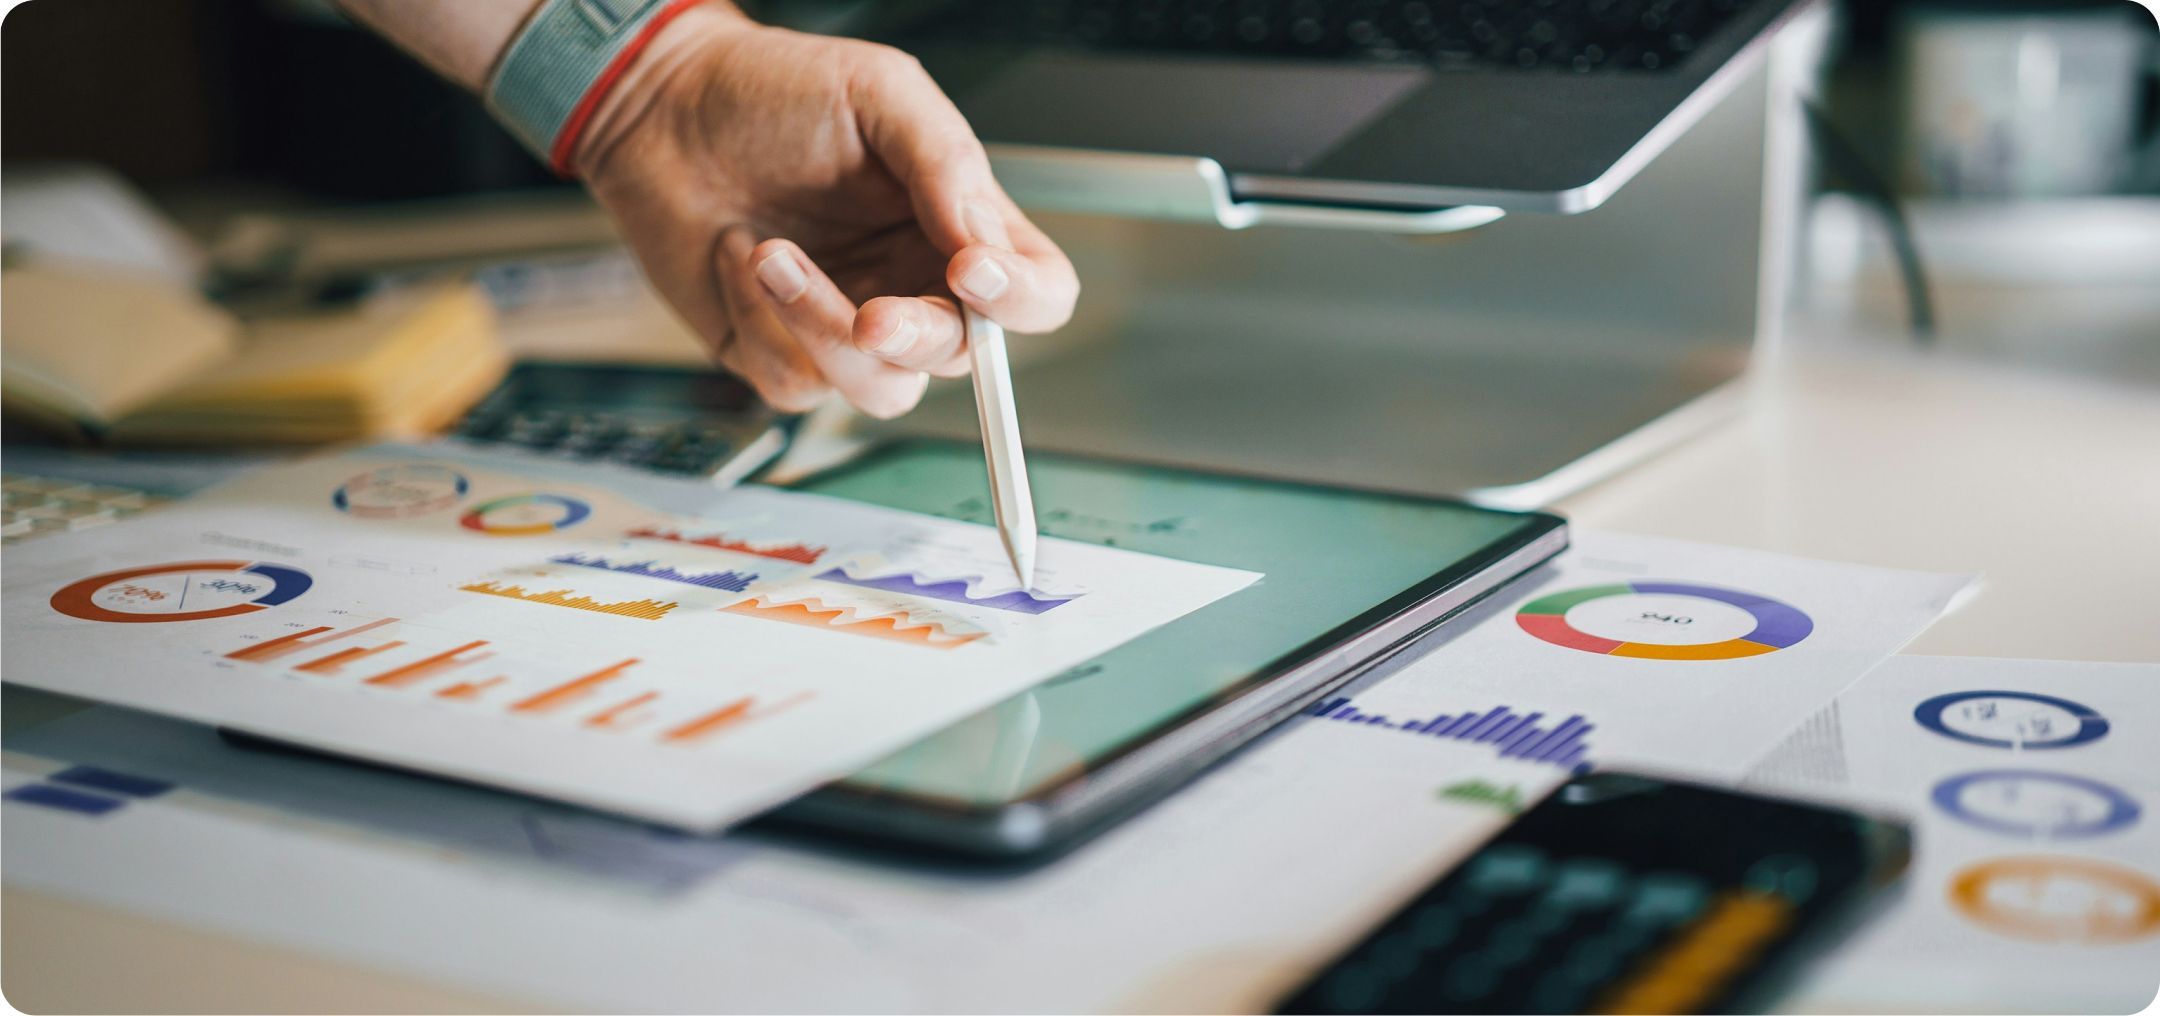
(1983, 176)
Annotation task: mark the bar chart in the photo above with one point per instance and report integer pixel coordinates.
(301, 641)
(1514, 735)
(427, 667)
(610, 699)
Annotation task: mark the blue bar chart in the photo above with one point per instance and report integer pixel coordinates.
(1514, 735)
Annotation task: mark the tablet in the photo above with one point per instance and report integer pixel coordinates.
(1349, 575)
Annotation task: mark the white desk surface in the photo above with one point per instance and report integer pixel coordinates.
(2049, 485)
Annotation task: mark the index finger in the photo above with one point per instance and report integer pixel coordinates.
(1002, 264)
(920, 136)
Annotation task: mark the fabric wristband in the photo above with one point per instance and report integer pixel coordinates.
(563, 62)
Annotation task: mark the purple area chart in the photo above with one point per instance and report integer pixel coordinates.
(954, 590)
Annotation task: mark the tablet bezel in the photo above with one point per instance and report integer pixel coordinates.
(1060, 813)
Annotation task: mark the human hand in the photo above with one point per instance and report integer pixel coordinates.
(812, 206)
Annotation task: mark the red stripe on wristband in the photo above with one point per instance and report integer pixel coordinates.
(581, 115)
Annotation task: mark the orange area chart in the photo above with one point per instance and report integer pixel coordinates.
(800, 553)
(648, 610)
(815, 614)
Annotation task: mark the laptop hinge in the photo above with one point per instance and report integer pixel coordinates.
(1191, 189)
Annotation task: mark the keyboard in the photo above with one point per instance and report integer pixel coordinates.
(32, 506)
(1574, 36)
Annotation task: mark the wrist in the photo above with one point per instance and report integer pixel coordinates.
(620, 104)
(567, 61)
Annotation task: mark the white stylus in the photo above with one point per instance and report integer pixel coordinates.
(1010, 499)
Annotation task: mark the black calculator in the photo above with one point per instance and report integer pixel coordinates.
(1620, 894)
(669, 419)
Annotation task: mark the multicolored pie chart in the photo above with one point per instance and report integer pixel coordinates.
(1665, 621)
(525, 515)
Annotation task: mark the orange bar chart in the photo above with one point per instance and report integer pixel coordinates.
(571, 690)
(726, 716)
(621, 714)
(421, 670)
(336, 661)
(286, 645)
(466, 691)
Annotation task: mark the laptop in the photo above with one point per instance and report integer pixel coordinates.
(1408, 105)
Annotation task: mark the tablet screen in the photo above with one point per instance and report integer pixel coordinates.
(1329, 557)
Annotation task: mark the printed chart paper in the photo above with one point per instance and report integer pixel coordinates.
(2034, 791)
(1663, 654)
(658, 647)
(1217, 899)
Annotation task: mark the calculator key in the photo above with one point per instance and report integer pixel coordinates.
(1593, 960)
(1788, 875)
(1468, 978)
(1666, 898)
(636, 448)
(1511, 943)
(1435, 927)
(1587, 883)
(1394, 957)
(1507, 869)
(1351, 989)
(482, 427)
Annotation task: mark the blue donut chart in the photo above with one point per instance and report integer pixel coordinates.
(2091, 725)
(2122, 810)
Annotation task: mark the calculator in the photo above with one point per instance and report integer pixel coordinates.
(1621, 893)
(669, 419)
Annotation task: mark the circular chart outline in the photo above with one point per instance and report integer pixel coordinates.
(2091, 725)
(1967, 895)
(75, 598)
(1778, 625)
(2123, 810)
(475, 518)
(460, 486)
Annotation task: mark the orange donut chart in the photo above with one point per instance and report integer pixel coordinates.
(78, 599)
(2058, 899)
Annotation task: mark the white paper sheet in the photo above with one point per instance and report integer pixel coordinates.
(690, 656)
(1657, 653)
(1218, 899)
(2034, 789)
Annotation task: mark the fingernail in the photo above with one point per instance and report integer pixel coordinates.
(782, 277)
(898, 341)
(986, 281)
(984, 225)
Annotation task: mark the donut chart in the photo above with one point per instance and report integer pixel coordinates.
(2036, 804)
(1665, 621)
(525, 515)
(399, 492)
(2017, 720)
(2070, 900)
(161, 593)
